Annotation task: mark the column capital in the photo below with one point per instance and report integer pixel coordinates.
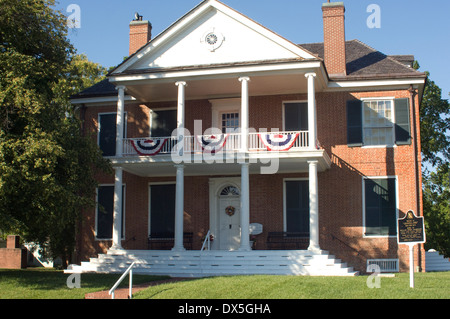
(179, 166)
(307, 75)
(121, 87)
(178, 83)
(313, 162)
(244, 78)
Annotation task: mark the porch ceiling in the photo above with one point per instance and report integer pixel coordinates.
(214, 87)
(295, 162)
(214, 82)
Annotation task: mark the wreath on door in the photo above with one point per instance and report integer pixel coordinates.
(230, 210)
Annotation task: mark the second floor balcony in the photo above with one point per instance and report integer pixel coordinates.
(216, 144)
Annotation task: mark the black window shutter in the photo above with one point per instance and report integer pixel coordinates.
(402, 123)
(354, 123)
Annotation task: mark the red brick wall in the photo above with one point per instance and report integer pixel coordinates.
(13, 256)
(140, 34)
(334, 38)
(340, 188)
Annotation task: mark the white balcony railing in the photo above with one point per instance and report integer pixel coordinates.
(227, 143)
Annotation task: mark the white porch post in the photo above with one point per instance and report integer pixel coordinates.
(179, 209)
(313, 207)
(181, 102)
(118, 183)
(245, 207)
(117, 215)
(120, 120)
(312, 121)
(244, 113)
(179, 192)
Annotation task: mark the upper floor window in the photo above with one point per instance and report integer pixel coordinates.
(295, 116)
(107, 123)
(230, 122)
(163, 122)
(378, 122)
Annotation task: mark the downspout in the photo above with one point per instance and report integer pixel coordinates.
(413, 93)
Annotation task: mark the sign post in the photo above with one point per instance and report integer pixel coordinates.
(411, 231)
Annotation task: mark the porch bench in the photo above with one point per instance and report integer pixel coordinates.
(165, 241)
(287, 241)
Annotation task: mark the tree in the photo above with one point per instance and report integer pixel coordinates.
(435, 142)
(436, 198)
(47, 167)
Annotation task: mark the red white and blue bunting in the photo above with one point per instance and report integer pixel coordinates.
(148, 147)
(212, 143)
(277, 141)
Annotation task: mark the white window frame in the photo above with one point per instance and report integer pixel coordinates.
(149, 229)
(151, 111)
(125, 126)
(290, 179)
(393, 120)
(220, 106)
(123, 212)
(364, 178)
(283, 111)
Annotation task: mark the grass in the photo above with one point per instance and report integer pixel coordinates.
(42, 283)
(427, 286)
(51, 284)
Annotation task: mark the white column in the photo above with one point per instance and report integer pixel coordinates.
(245, 207)
(313, 207)
(181, 104)
(244, 113)
(312, 121)
(117, 215)
(120, 120)
(179, 191)
(179, 209)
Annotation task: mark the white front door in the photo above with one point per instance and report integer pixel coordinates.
(229, 222)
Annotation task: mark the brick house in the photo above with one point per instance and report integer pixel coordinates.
(238, 151)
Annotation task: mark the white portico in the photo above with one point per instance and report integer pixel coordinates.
(202, 56)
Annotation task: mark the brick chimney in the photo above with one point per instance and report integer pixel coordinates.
(334, 37)
(140, 33)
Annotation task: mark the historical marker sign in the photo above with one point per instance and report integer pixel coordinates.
(411, 229)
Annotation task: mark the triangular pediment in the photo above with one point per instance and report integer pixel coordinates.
(212, 34)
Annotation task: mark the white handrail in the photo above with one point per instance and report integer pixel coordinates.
(207, 240)
(130, 271)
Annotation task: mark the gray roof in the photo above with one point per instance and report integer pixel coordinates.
(363, 62)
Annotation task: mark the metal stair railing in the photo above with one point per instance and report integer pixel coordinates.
(207, 241)
(128, 271)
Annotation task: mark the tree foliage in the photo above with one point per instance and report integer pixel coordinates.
(46, 166)
(435, 142)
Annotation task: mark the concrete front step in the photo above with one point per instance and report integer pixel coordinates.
(215, 263)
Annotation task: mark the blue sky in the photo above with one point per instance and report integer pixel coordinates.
(415, 27)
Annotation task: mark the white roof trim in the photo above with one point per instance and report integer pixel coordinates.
(196, 13)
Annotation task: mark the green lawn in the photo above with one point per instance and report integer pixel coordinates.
(51, 284)
(427, 286)
(42, 283)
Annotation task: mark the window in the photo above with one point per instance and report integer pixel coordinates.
(107, 132)
(105, 211)
(163, 122)
(230, 122)
(162, 210)
(380, 206)
(378, 122)
(297, 206)
(295, 116)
